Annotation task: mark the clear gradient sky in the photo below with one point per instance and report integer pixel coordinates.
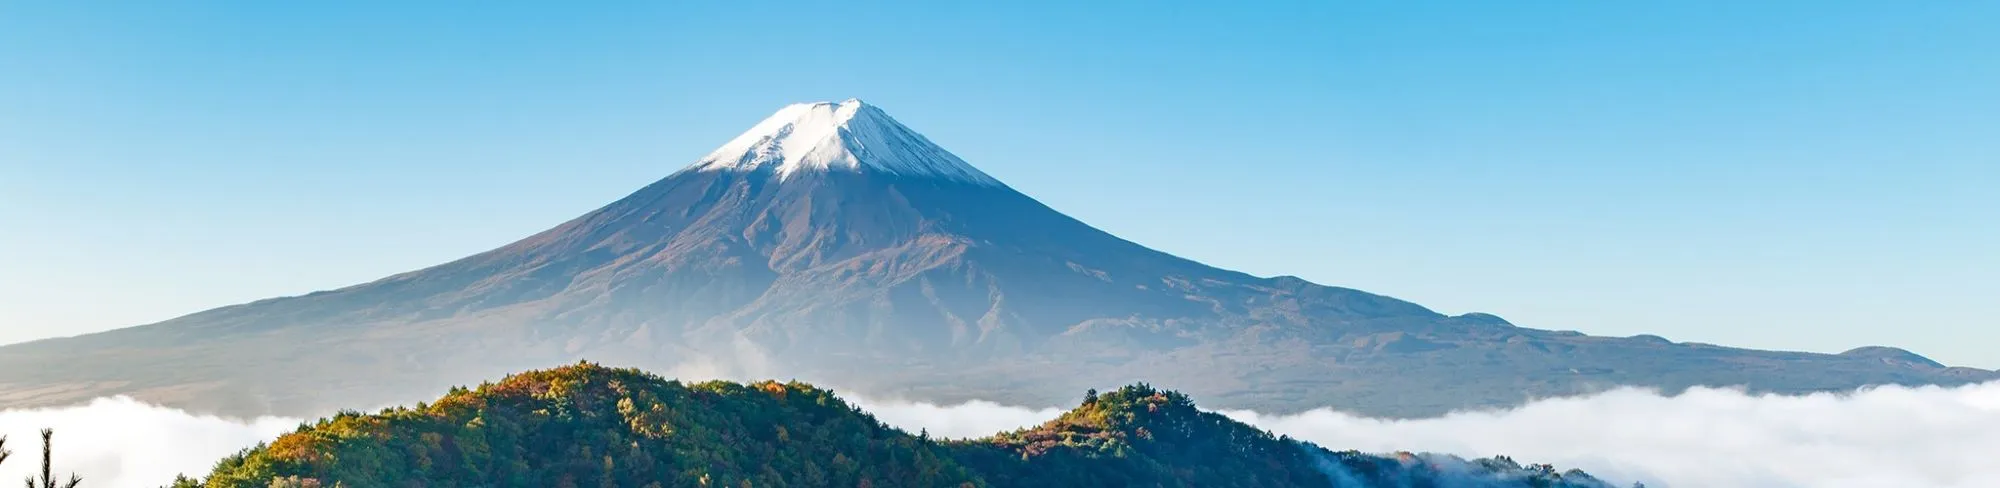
(1788, 175)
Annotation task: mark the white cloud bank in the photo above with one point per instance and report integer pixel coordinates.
(1889, 437)
(122, 443)
(1706, 438)
(971, 419)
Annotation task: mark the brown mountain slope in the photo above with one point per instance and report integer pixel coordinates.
(891, 276)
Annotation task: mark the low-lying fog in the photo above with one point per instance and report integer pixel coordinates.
(1880, 437)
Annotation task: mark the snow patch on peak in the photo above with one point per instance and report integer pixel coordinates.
(838, 136)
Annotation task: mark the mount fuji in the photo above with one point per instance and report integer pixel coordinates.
(832, 243)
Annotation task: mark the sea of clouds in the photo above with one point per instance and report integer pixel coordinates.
(1709, 438)
(119, 442)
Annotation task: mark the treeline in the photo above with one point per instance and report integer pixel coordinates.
(591, 426)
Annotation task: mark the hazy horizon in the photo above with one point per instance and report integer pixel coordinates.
(1793, 176)
(1255, 244)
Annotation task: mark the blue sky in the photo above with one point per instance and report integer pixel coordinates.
(1790, 175)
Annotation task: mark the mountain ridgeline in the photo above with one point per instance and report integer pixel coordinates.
(834, 244)
(587, 425)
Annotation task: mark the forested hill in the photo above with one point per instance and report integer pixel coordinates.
(590, 426)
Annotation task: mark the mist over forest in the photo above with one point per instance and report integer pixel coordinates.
(1718, 438)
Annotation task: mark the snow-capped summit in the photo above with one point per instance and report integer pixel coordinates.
(845, 136)
(874, 265)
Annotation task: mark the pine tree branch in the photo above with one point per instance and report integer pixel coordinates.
(48, 471)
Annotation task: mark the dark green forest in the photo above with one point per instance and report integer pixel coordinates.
(590, 426)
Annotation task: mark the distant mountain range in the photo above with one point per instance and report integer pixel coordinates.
(587, 425)
(832, 243)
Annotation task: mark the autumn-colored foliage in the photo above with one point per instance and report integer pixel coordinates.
(590, 426)
(1140, 436)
